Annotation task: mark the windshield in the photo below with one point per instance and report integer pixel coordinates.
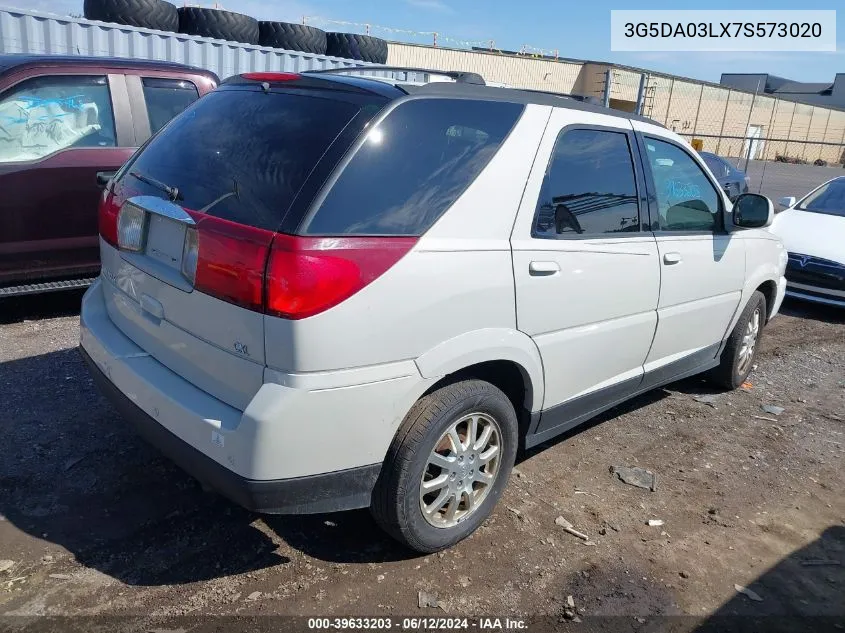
(829, 199)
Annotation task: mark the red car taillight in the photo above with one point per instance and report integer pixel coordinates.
(230, 260)
(108, 212)
(293, 277)
(308, 275)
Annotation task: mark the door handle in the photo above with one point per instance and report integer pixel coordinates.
(671, 258)
(103, 178)
(543, 269)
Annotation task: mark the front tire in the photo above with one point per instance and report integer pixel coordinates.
(447, 466)
(737, 358)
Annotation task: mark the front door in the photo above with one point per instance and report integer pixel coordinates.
(702, 265)
(57, 132)
(586, 269)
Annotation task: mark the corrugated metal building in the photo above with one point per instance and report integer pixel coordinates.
(35, 32)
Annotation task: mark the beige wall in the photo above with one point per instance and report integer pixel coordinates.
(516, 72)
(687, 106)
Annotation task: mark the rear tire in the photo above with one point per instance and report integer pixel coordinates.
(292, 37)
(465, 482)
(737, 358)
(218, 24)
(146, 14)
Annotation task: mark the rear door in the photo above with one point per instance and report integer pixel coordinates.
(586, 272)
(58, 130)
(214, 186)
(702, 264)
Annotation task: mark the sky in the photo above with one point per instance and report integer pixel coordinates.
(579, 29)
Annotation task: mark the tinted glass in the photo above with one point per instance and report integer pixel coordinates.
(166, 98)
(45, 115)
(241, 155)
(589, 188)
(830, 199)
(413, 166)
(686, 199)
(719, 168)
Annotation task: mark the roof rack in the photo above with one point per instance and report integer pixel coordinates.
(457, 76)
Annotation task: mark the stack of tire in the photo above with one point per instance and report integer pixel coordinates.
(236, 27)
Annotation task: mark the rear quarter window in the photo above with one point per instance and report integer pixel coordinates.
(412, 166)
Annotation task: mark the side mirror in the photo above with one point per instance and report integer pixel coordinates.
(788, 201)
(753, 211)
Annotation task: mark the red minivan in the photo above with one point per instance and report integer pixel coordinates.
(66, 125)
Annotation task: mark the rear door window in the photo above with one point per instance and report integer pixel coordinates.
(166, 98)
(413, 166)
(590, 187)
(242, 154)
(45, 115)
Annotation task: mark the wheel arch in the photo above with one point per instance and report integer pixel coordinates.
(504, 357)
(769, 289)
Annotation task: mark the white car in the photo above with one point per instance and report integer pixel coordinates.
(813, 231)
(323, 292)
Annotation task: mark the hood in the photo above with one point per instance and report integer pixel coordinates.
(817, 234)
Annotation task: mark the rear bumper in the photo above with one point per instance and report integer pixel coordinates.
(328, 492)
(305, 443)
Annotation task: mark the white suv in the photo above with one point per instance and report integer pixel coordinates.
(324, 292)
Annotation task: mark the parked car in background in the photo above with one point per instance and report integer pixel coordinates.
(733, 180)
(813, 231)
(309, 318)
(66, 125)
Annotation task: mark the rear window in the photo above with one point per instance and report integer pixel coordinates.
(413, 166)
(242, 155)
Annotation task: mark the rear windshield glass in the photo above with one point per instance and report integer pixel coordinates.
(829, 198)
(241, 155)
(413, 166)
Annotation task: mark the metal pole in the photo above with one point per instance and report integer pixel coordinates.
(697, 110)
(641, 93)
(608, 77)
(826, 124)
(789, 131)
(669, 105)
(724, 115)
(748, 124)
(769, 127)
(807, 136)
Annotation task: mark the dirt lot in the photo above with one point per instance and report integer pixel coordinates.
(95, 523)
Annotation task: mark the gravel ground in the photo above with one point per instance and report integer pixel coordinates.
(93, 522)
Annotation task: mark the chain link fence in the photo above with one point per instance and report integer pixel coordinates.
(784, 147)
(776, 167)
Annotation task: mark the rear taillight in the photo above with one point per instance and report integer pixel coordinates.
(131, 227)
(308, 275)
(293, 277)
(109, 210)
(190, 254)
(230, 260)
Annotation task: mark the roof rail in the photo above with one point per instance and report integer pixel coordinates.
(456, 75)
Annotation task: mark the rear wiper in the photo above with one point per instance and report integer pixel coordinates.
(172, 192)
